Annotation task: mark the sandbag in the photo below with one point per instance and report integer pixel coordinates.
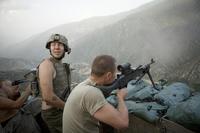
(149, 111)
(145, 94)
(186, 113)
(134, 87)
(173, 94)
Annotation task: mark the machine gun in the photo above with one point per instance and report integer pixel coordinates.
(127, 74)
(29, 77)
(20, 81)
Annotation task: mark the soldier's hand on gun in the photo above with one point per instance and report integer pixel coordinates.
(121, 93)
(28, 88)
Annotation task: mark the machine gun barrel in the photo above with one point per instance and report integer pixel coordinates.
(127, 74)
(17, 82)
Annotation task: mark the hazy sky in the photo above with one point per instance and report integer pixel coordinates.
(20, 19)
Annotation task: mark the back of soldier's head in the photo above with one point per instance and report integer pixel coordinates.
(103, 64)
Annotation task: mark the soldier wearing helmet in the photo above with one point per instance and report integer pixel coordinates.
(61, 40)
(54, 79)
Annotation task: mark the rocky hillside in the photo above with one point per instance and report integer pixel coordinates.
(167, 31)
(13, 74)
(35, 45)
(188, 72)
(15, 69)
(11, 64)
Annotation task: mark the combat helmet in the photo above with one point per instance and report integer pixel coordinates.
(61, 39)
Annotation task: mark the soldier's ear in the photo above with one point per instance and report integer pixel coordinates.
(109, 75)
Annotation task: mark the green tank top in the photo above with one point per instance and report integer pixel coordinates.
(61, 83)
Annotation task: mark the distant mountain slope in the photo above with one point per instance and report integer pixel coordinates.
(15, 69)
(13, 74)
(35, 45)
(8, 64)
(166, 30)
(188, 72)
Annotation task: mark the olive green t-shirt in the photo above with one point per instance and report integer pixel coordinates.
(83, 102)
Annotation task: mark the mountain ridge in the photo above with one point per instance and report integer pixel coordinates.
(167, 31)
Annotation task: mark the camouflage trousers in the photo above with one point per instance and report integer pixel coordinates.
(22, 122)
(53, 118)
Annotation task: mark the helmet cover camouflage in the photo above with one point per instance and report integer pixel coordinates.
(61, 39)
